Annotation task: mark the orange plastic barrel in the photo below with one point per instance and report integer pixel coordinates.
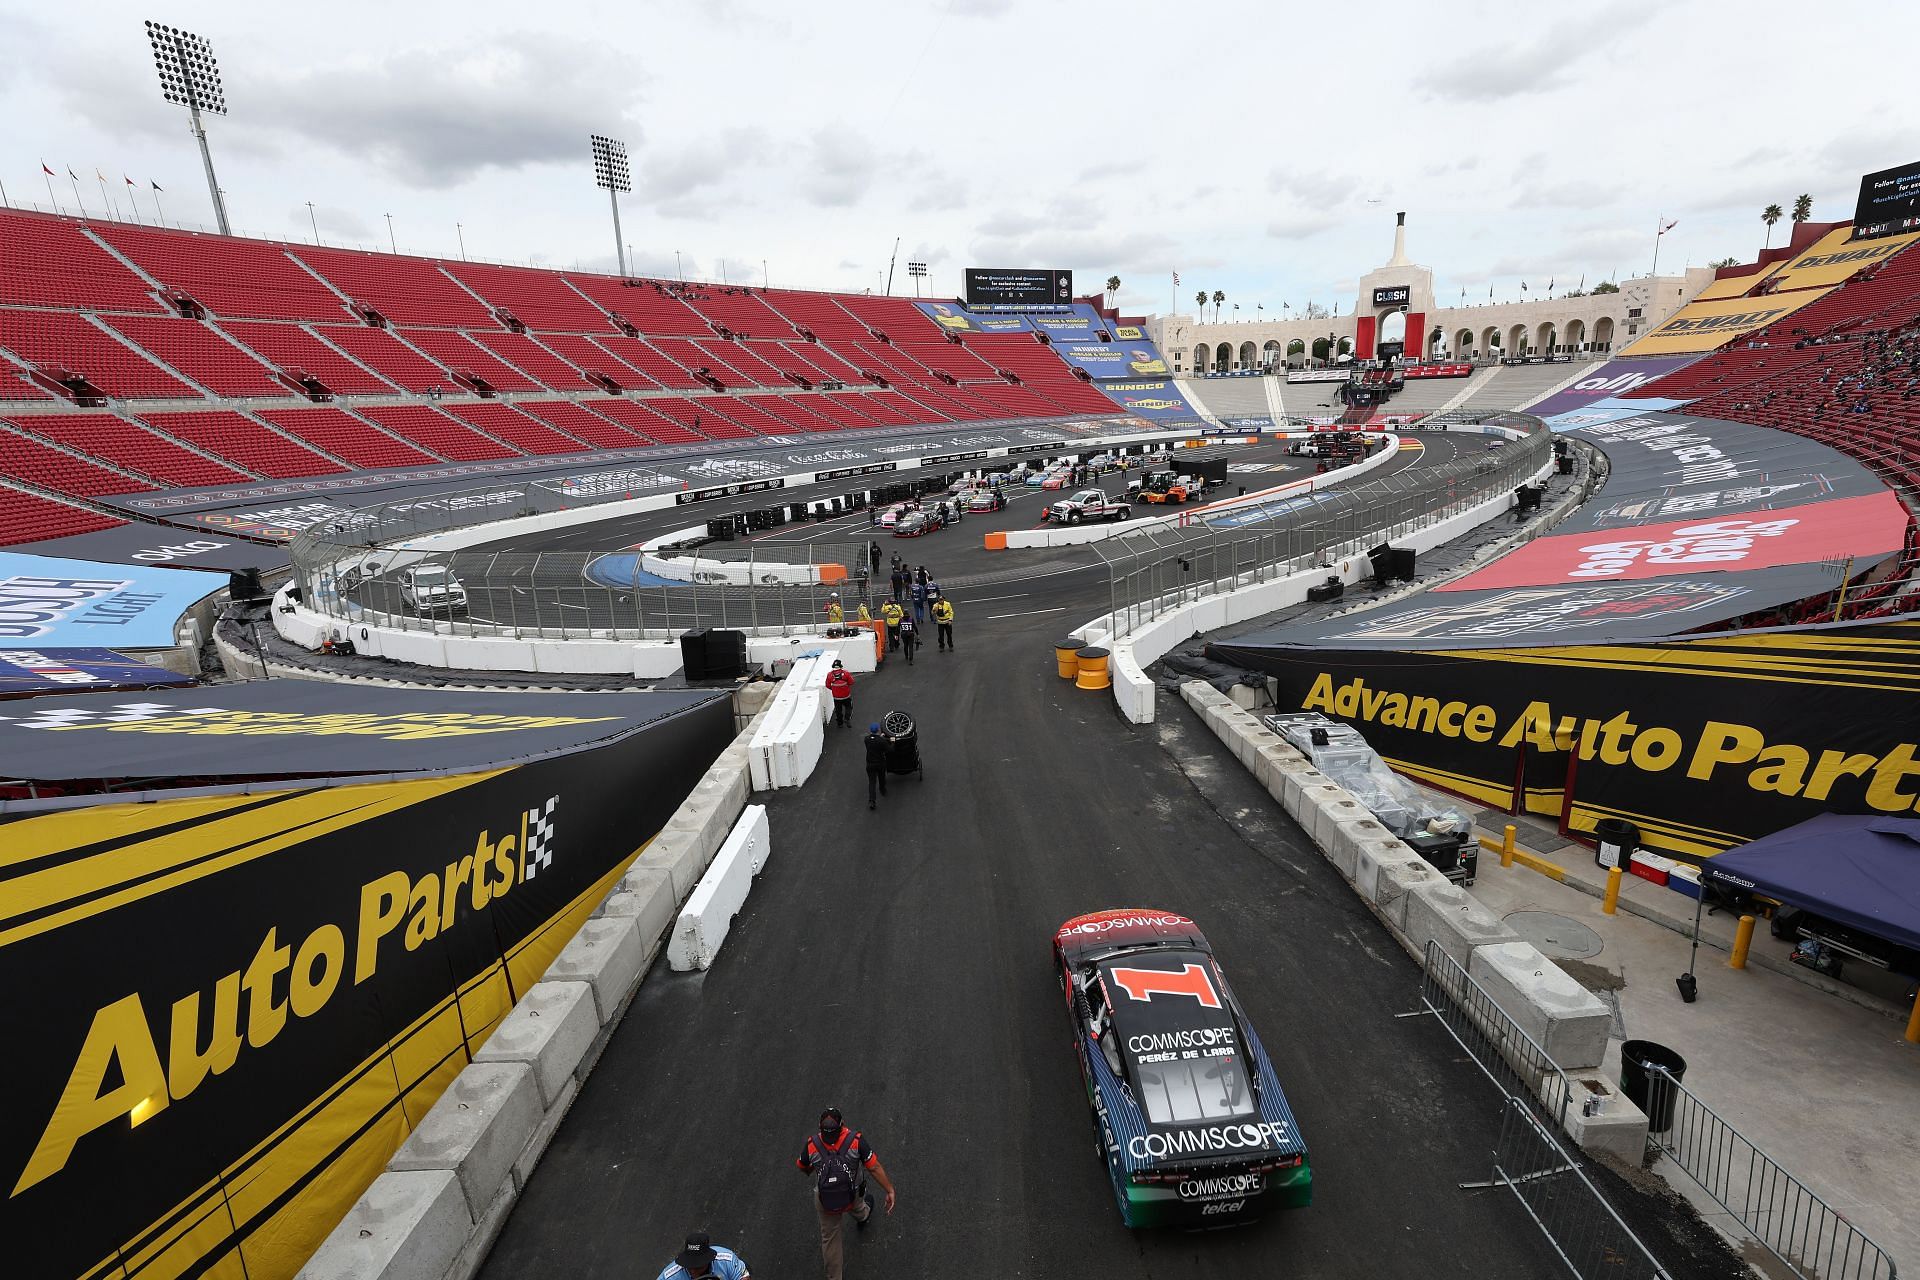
(1092, 664)
(1066, 654)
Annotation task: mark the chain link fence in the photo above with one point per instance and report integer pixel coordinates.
(1159, 568)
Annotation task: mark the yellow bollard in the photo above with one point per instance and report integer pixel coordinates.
(1913, 1023)
(1612, 900)
(1066, 656)
(1093, 669)
(1506, 846)
(1742, 939)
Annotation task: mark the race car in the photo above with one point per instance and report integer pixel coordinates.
(913, 524)
(1187, 1112)
(1057, 480)
(984, 500)
(891, 516)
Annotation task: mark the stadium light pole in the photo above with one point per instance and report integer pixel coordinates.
(917, 270)
(315, 222)
(190, 77)
(610, 171)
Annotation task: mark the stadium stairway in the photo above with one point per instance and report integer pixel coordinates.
(1516, 385)
(1229, 397)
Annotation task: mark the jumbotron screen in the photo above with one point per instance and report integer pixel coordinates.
(1018, 287)
(1889, 202)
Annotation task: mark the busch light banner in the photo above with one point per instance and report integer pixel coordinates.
(1614, 378)
(81, 603)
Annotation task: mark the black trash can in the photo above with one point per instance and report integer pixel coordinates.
(1648, 1089)
(1615, 839)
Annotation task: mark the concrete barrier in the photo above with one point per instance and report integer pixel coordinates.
(477, 1129)
(549, 1032)
(406, 1226)
(704, 922)
(1419, 905)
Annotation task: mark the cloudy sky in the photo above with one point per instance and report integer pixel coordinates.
(1257, 148)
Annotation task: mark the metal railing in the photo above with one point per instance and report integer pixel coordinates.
(1529, 1159)
(1159, 568)
(1809, 1237)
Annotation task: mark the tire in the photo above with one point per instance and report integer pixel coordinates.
(1073, 517)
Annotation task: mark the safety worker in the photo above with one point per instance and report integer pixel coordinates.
(892, 613)
(909, 637)
(835, 614)
(877, 744)
(700, 1258)
(840, 685)
(838, 1160)
(863, 615)
(943, 621)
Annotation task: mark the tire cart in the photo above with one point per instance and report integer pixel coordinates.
(903, 744)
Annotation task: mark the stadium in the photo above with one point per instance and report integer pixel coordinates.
(432, 839)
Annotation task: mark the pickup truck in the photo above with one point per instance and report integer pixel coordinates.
(1088, 504)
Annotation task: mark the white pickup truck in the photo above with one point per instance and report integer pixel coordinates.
(1088, 504)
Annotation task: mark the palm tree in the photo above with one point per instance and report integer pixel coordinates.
(1201, 298)
(1770, 215)
(1219, 296)
(1802, 208)
(1113, 287)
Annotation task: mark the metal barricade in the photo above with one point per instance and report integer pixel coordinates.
(1805, 1234)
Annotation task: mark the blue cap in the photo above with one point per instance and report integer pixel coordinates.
(873, 728)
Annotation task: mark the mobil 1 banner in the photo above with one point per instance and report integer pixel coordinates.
(1017, 287)
(1704, 744)
(268, 1025)
(1574, 613)
(1655, 451)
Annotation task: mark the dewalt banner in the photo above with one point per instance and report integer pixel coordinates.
(1704, 744)
(1834, 257)
(226, 1012)
(1702, 326)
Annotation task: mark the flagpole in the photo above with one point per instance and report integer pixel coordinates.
(105, 199)
(52, 204)
(76, 194)
(1659, 230)
(159, 214)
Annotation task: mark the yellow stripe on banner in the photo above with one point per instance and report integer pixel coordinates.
(385, 1095)
(151, 866)
(1719, 666)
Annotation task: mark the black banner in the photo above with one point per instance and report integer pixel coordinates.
(844, 472)
(241, 1004)
(1703, 744)
(939, 458)
(1017, 287)
(727, 490)
(1889, 202)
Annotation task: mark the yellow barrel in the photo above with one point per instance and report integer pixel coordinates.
(1092, 669)
(1066, 655)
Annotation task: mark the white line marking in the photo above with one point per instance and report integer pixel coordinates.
(989, 599)
(995, 617)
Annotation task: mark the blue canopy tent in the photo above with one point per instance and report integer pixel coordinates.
(1857, 870)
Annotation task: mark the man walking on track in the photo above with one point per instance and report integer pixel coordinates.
(943, 620)
(839, 1159)
(909, 638)
(701, 1258)
(876, 765)
(840, 685)
(893, 613)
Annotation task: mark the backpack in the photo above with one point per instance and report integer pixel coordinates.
(836, 1174)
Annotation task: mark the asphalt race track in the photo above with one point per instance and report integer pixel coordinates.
(896, 964)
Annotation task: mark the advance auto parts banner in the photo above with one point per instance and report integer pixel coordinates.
(227, 1012)
(1703, 744)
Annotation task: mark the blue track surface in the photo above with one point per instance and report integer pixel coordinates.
(622, 569)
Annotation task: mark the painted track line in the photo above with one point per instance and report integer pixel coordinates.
(995, 617)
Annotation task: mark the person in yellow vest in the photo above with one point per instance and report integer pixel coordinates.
(892, 612)
(863, 615)
(835, 614)
(943, 619)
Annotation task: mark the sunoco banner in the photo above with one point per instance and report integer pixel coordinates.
(1703, 744)
(240, 1005)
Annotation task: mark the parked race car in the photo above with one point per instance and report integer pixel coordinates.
(1088, 504)
(1057, 480)
(915, 523)
(1187, 1112)
(984, 500)
(891, 516)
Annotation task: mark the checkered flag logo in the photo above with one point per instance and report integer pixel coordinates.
(115, 713)
(540, 838)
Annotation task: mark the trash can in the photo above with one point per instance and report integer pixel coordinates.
(1615, 839)
(1066, 657)
(1647, 1089)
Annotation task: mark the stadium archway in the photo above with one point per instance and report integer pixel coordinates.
(1393, 328)
(1490, 341)
(1436, 342)
(1246, 355)
(1297, 349)
(1517, 340)
(1576, 334)
(1544, 339)
(1270, 355)
(1603, 333)
(1463, 345)
(1200, 358)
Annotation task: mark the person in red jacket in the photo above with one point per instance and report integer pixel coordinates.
(840, 685)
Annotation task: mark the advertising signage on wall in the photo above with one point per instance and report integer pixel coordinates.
(1889, 202)
(1017, 287)
(49, 601)
(1396, 295)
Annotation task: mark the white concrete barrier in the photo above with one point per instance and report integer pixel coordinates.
(792, 734)
(1448, 916)
(704, 922)
(1563, 1017)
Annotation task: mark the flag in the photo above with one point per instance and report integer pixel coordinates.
(1670, 226)
(156, 186)
(101, 176)
(1176, 279)
(1523, 286)
(1489, 290)
(1550, 285)
(129, 180)
(1583, 279)
(50, 173)
(72, 174)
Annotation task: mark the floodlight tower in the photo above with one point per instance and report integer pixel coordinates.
(610, 171)
(190, 77)
(918, 270)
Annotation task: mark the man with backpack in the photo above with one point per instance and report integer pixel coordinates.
(838, 1159)
(909, 638)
